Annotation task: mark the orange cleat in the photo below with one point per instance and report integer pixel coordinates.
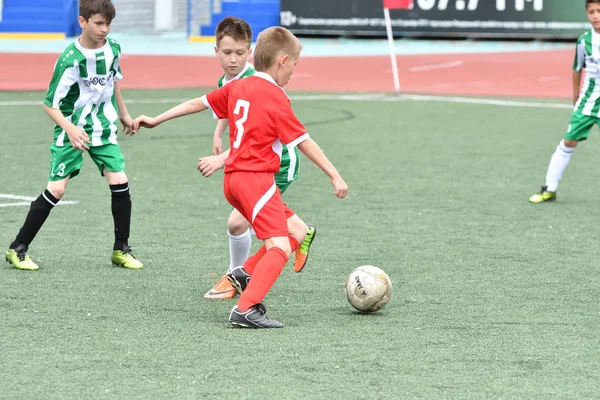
(223, 289)
(301, 254)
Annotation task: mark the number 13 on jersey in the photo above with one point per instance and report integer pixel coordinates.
(241, 107)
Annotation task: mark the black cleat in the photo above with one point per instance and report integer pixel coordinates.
(239, 279)
(253, 318)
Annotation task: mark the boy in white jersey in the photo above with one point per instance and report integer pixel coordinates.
(234, 38)
(85, 103)
(586, 112)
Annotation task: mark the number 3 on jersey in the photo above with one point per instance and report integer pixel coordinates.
(241, 106)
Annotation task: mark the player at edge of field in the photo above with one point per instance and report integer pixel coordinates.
(233, 47)
(586, 99)
(260, 119)
(85, 103)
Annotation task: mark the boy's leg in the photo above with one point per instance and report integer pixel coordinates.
(250, 310)
(258, 199)
(301, 253)
(558, 163)
(240, 276)
(120, 207)
(270, 224)
(121, 212)
(38, 213)
(238, 230)
(305, 234)
(111, 164)
(579, 128)
(240, 240)
(297, 233)
(65, 163)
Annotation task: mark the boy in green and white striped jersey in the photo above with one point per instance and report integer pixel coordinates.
(85, 103)
(234, 38)
(586, 112)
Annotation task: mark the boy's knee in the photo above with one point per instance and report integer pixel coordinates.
(297, 228)
(57, 189)
(282, 243)
(237, 224)
(115, 178)
(570, 143)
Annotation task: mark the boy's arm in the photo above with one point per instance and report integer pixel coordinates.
(189, 107)
(77, 136)
(209, 165)
(218, 136)
(314, 153)
(124, 116)
(576, 85)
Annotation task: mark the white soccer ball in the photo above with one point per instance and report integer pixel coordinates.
(368, 288)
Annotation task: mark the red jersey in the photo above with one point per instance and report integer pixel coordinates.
(260, 119)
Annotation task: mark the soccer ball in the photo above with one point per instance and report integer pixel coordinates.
(368, 288)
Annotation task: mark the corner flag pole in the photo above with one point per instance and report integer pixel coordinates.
(387, 5)
(388, 28)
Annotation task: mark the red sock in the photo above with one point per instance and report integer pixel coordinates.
(251, 262)
(293, 243)
(265, 274)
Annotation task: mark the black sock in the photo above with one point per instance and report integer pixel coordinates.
(38, 212)
(121, 210)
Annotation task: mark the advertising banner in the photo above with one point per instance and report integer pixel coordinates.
(476, 18)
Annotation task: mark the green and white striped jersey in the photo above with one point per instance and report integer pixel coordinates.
(587, 55)
(83, 88)
(290, 155)
(247, 71)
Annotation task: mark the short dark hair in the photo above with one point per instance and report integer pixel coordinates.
(235, 27)
(87, 8)
(590, 2)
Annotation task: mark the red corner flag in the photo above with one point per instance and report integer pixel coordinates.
(393, 4)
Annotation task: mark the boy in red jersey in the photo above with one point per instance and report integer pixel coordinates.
(260, 120)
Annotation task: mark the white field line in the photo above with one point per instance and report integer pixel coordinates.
(355, 97)
(27, 201)
(433, 67)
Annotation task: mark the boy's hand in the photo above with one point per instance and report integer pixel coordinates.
(78, 138)
(217, 145)
(339, 186)
(127, 122)
(209, 165)
(143, 122)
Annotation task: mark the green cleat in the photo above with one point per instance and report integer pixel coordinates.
(20, 260)
(301, 254)
(124, 258)
(542, 196)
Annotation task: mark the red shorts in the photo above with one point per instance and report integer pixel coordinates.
(257, 198)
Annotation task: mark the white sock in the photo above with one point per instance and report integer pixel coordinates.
(239, 249)
(559, 161)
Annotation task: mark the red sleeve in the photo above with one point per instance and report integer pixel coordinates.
(217, 101)
(289, 129)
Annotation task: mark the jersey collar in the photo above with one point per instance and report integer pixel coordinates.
(242, 72)
(269, 78)
(84, 49)
(266, 77)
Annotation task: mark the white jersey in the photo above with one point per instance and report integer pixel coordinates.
(587, 55)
